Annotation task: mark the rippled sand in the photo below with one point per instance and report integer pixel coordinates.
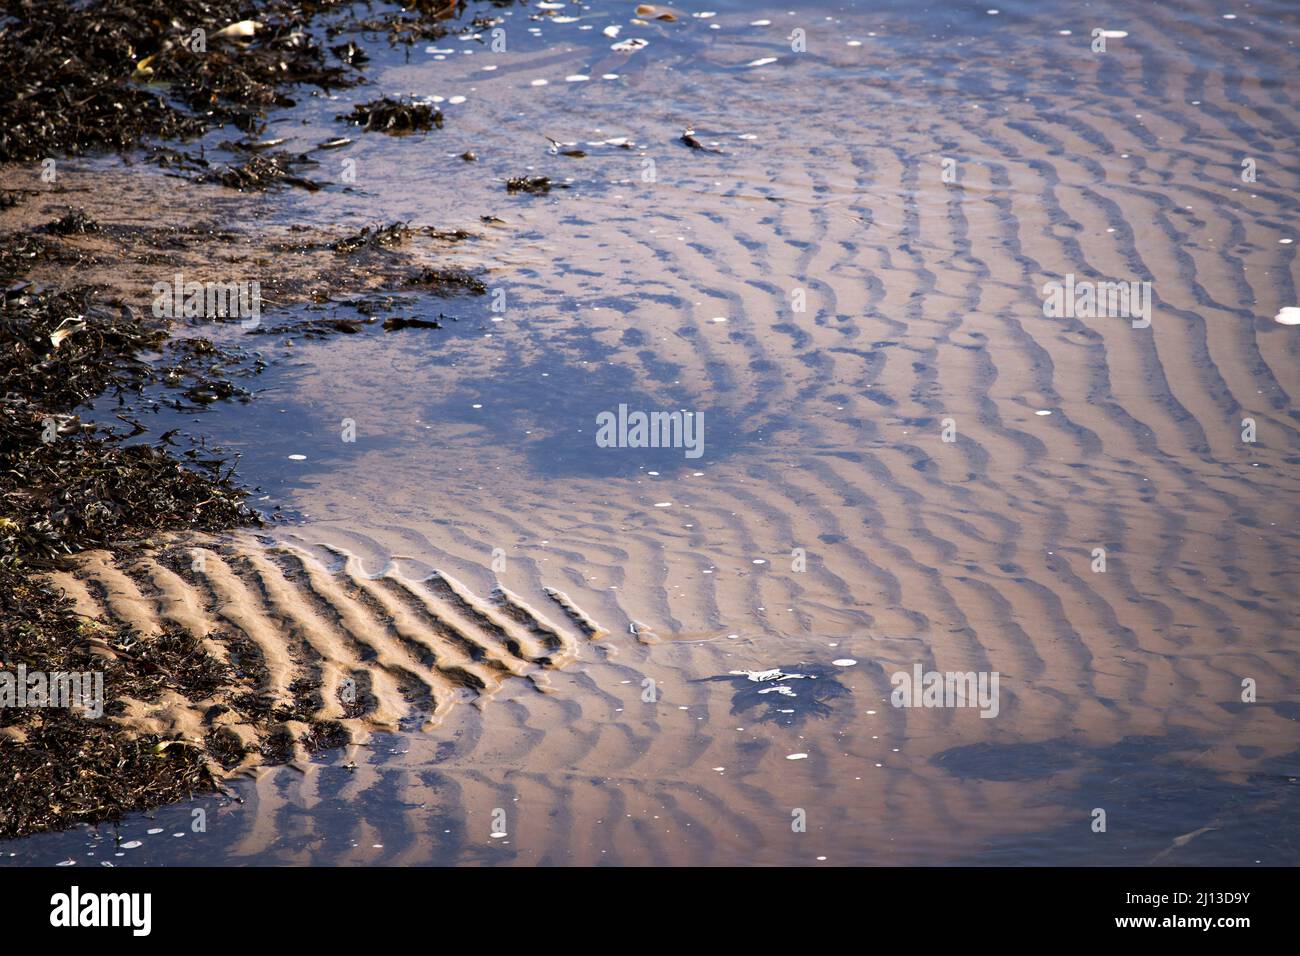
(1119, 690)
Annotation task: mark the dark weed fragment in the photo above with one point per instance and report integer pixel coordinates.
(381, 237)
(397, 323)
(277, 747)
(325, 735)
(448, 235)
(261, 172)
(532, 184)
(225, 747)
(448, 282)
(75, 223)
(395, 117)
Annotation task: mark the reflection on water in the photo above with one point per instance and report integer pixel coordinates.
(854, 272)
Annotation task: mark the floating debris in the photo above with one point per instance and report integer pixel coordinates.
(775, 700)
(532, 184)
(688, 139)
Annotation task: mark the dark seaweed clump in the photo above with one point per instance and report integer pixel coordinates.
(448, 282)
(75, 223)
(262, 171)
(380, 237)
(90, 75)
(395, 117)
(532, 184)
(63, 767)
(65, 486)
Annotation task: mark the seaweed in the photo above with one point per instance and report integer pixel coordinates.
(532, 184)
(448, 282)
(381, 237)
(262, 171)
(91, 76)
(75, 223)
(394, 117)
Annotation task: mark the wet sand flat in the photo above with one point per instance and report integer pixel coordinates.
(855, 276)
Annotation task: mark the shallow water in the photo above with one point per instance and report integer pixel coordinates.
(823, 435)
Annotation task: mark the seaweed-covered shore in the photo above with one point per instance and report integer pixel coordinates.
(142, 77)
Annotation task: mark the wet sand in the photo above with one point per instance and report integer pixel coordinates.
(827, 519)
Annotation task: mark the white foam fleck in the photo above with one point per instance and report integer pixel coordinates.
(844, 662)
(796, 756)
(297, 457)
(762, 61)
(663, 504)
(576, 78)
